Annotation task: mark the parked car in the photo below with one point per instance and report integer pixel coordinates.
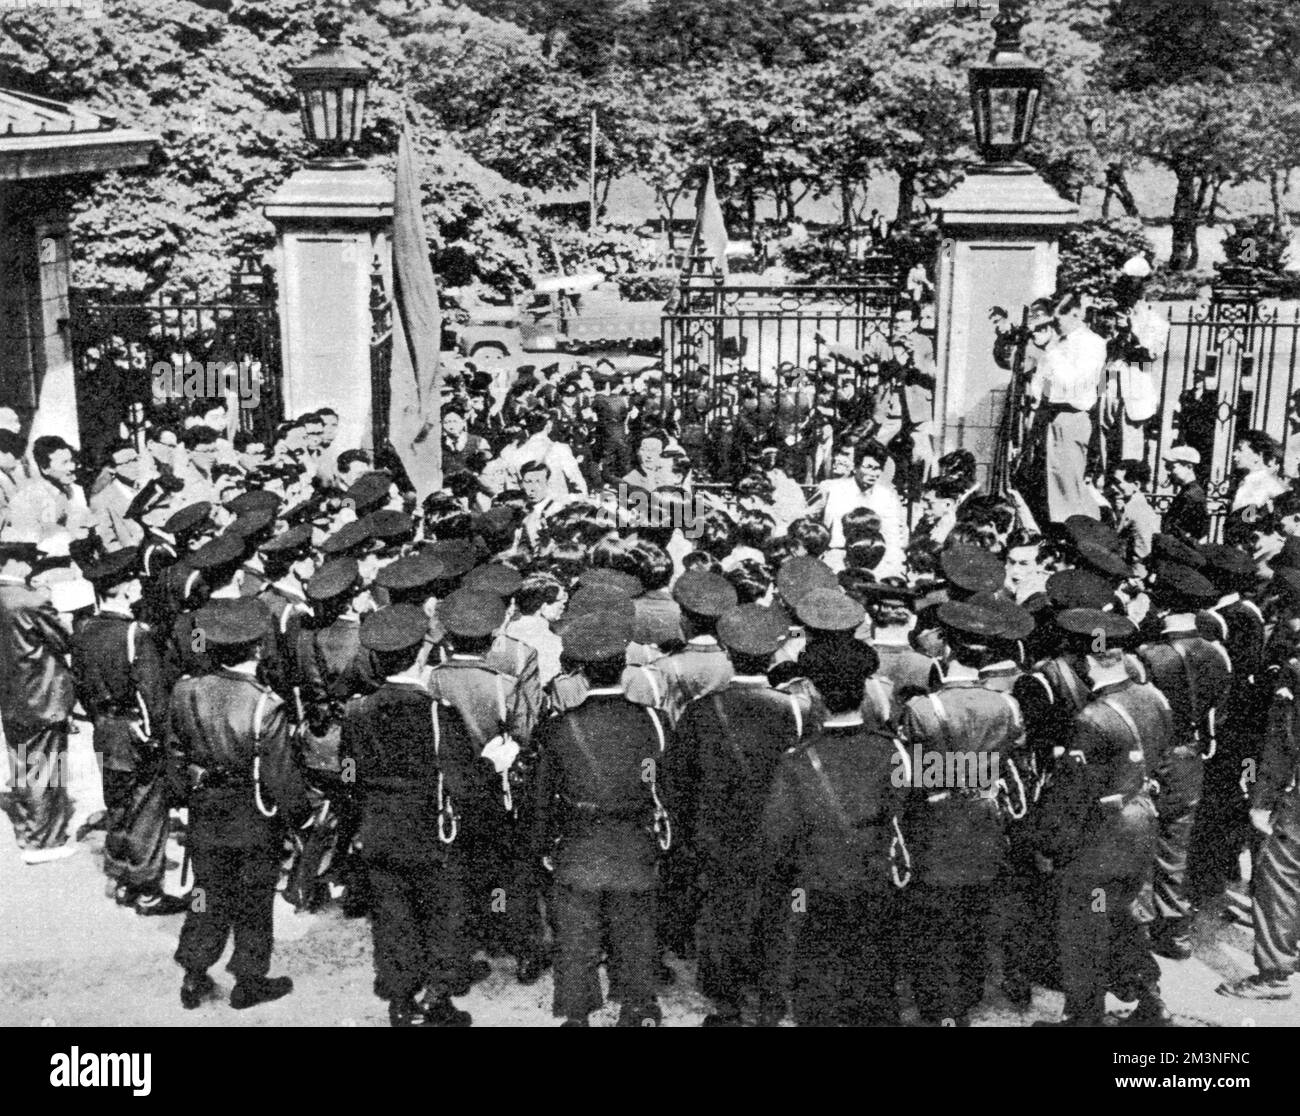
(562, 314)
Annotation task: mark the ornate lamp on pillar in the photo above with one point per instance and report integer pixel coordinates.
(1001, 228)
(333, 218)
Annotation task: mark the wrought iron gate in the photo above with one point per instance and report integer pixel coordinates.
(135, 360)
(1230, 366)
(719, 335)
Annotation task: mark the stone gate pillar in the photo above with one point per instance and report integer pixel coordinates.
(1001, 227)
(331, 223)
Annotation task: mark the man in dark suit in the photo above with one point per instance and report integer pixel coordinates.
(37, 694)
(597, 811)
(420, 781)
(1187, 516)
(231, 761)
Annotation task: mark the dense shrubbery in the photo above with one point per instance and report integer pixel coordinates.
(1093, 253)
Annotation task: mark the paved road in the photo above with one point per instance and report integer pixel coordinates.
(70, 957)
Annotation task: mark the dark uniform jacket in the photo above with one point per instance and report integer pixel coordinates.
(1277, 780)
(1188, 515)
(389, 735)
(721, 767)
(325, 658)
(1238, 624)
(1105, 758)
(594, 812)
(121, 686)
(36, 687)
(830, 819)
(957, 833)
(1194, 675)
(216, 725)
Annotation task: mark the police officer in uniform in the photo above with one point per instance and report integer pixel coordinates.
(492, 706)
(701, 667)
(832, 853)
(1223, 821)
(326, 650)
(719, 776)
(954, 822)
(1094, 828)
(1194, 675)
(598, 813)
(119, 673)
(1275, 812)
(230, 760)
(420, 781)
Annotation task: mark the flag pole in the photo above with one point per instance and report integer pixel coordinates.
(591, 178)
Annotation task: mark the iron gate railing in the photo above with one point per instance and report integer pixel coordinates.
(1229, 367)
(716, 333)
(134, 359)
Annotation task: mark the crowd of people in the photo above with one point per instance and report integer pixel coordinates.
(583, 708)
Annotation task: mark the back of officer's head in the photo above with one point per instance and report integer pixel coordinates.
(840, 673)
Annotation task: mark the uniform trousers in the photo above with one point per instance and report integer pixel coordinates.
(417, 918)
(624, 921)
(1276, 888)
(1180, 794)
(737, 949)
(1222, 828)
(847, 966)
(1066, 459)
(234, 891)
(1102, 943)
(949, 939)
(37, 801)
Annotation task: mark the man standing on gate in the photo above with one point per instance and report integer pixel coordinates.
(1066, 384)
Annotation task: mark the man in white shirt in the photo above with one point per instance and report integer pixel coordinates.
(565, 476)
(865, 489)
(1066, 383)
(52, 502)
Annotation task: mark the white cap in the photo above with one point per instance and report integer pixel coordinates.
(1137, 267)
(1183, 453)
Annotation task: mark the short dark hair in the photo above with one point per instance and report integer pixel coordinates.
(46, 446)
(200, 436)
(348, 458)
(537, 589)
(330, 411)
(534, 467)
(1139, 472)
(870, 447)
(1263, 444)
(813, 536)
(654, 566)
(11, 443)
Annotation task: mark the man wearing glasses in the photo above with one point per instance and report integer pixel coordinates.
(111, 503)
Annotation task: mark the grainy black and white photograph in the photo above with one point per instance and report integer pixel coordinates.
(651, 513)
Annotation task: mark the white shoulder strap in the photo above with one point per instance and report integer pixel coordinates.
(659, 729)
(131, 629)
(798, 716)
(501, 698)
